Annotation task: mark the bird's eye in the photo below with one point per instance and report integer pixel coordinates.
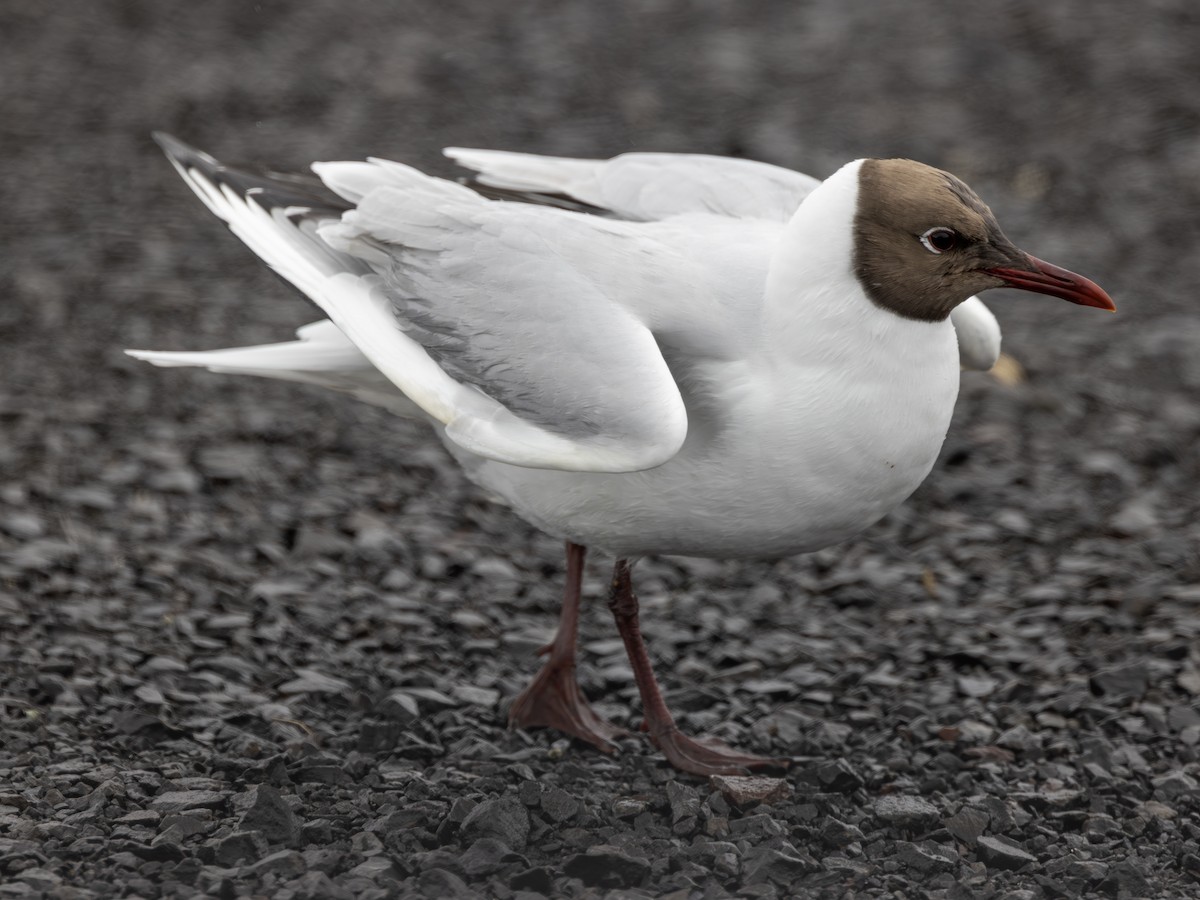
(940, 239)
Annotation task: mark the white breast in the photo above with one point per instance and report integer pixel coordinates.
(780, 459)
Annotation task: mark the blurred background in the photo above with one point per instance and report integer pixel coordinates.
(1075, 120)
(147, 512)
(1078, 122)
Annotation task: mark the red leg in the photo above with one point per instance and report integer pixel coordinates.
(700, 757)
(553, 699)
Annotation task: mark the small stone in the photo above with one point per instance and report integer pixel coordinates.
(177, 801)
(494, 569)
(285, 863)
(1173, 784)
(608, 867)
(399, 707)
(41, 879)
(977, 685)
(539, 880)
(366, 843)
(1002, 853)
(1102, 827)
(378, 869)
(139, 817)
(628, 807)
(476, 696)
(241, 846)
(310, 681)
(838, 777)
(321, 773)
(559, 806)
(1128, 680)
(1135, 518)
(1181, 718)
(504, 819)
(1011, 519)
(972, 731)
(924, 860)
(684, 801)
(967, 824)
(906, 812)
(1089, 870)
(1125, 879)
(469, 619)
(530, 793)
(460, 809)
(782, 865)
(745, 790)
(185, 825)
(271, 816)
(440, 883)
(165, 850)
(1019, 738)
(760, 824)
(23, 525)
(840, 834)
(316, 885)
(431, 698)
(1152, 809)
(485, 856)
(176, 481)
(318, 831)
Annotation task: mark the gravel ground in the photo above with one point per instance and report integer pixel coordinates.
(256, 640)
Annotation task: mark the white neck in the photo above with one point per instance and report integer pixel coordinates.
(814, 309)
(811, 277)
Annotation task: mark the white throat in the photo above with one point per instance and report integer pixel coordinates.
(812, 269)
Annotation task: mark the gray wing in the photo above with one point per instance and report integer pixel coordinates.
(320, 355)
(495, 298)
(647, 186)
(533, 310)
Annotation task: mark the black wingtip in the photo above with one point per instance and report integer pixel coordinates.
(270, 190)
(182, 153)
(534, 198)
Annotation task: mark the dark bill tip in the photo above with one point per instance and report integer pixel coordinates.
(1045, 278)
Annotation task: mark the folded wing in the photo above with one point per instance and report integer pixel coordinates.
(475, 310)
(646, 186)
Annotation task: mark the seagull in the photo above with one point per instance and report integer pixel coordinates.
(651, 354)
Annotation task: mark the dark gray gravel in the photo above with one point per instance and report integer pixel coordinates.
(258, 641)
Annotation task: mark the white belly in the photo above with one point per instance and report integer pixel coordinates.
(775, 463)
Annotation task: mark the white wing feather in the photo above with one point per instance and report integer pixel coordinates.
(649, 186)
(978, 335)
(358, 293)
(539, 310)
(321, 356)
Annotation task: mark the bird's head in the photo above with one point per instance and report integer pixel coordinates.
(924, 242)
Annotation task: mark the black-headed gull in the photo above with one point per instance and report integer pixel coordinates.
(656, 353)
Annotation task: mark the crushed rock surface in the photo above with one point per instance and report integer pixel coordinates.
(257, 640)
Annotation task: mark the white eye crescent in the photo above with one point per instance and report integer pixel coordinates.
(940, 239)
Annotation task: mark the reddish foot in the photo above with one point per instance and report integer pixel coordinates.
(705, 756)
(554, 700)
(708, 756)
